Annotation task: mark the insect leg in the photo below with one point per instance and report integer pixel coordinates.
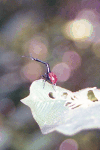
(45, 79)
(54, 86)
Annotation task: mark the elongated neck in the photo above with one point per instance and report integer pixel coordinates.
(48, 68)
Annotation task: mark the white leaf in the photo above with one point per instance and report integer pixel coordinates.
(61, 109)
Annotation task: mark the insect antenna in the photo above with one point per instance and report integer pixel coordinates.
(31, 57)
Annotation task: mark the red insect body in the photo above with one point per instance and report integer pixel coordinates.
(49, 75)
(53, 77)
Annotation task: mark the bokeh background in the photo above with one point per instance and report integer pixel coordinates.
(66, 34)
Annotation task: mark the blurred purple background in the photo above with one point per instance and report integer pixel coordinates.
(66, 34)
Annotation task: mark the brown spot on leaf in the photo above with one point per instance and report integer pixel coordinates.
(91, 96)
(51, 95)
(64, 95)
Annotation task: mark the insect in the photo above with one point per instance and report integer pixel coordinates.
(47, 76)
